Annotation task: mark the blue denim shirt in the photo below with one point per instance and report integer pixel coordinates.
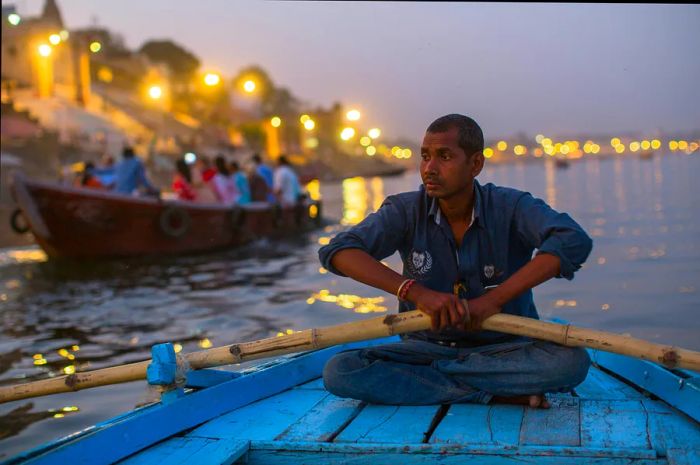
(508, 226)
(131, 174)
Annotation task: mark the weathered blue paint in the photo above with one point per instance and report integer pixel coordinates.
(480, 424)
(261, 420)
(207, 377)
(389, 424)
(187, 451)
(324, 421)
(274, 452)
(556, 426)
(614, 423)
(669, 430)
(279, 413)
(315, 384)
(163, 366)
(675, 390)
(148, 426)
(601, 386)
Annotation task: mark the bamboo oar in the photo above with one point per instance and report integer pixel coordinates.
(669, 356)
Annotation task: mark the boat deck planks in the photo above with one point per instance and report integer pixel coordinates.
(295, 420)
(600, 385)
(261, 420)
(389, 424)
(556, 426)
(614, 423)
(324, 421)
(474, 424)
(185, 451)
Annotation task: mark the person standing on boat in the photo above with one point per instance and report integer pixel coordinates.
(286, 183)
(130, 175)
(182, 182)
(467, 252)
(240, 181)
(202, 180)
(224, 187)
(266, 173)
(105, 172)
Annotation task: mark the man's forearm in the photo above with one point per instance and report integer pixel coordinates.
(540, 269)
(361, 266)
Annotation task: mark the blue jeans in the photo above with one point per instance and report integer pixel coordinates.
(414, 372)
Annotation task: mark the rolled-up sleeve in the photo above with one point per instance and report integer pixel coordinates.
(380, 234)
(549, 231)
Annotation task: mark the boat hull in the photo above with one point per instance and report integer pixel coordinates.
(85, 223)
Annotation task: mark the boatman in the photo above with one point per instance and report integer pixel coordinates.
(458, 240)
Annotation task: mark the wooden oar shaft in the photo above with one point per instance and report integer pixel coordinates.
(372, 328)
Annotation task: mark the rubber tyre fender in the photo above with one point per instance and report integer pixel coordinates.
(173, 214)
(20, 227)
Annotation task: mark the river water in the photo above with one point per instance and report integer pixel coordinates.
(642, 278)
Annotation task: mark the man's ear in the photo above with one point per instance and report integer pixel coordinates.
(478, 163)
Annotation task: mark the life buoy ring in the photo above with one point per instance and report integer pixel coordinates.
(237, 218)
(17, 225)
(174, 221)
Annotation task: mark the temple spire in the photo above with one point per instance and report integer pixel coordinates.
(52, 13)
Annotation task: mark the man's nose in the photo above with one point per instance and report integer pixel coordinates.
(430, 166)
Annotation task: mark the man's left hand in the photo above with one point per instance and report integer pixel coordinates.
(480, 309)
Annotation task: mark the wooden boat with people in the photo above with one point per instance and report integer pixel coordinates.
(82, 223)
(629, 410)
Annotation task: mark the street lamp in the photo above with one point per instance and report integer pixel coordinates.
(155, 92)
(14, 19)
(347, 133)
(353, 115)
(212, 79)
(276, 121)
(44, 50)
(374, 133)
(55, 39)
(249, 86)
(309, 124)
(95, 47)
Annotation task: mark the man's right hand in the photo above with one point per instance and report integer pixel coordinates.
(445, 310)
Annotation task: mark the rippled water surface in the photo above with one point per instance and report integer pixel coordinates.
(642, 278)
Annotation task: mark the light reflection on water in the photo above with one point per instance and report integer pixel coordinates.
(641, 278)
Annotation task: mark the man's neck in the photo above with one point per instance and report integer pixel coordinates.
(458, 207)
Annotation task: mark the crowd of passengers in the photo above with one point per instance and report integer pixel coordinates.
(221, 182)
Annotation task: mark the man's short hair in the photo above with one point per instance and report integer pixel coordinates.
(128, 152)
(471, 138)
(256, 158)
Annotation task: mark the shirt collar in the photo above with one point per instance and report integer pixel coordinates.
(436, 214)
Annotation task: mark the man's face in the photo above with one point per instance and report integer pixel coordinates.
(445, 169)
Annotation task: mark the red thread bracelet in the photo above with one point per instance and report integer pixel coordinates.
(403, 292)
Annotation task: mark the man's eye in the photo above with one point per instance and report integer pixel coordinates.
(445, 156)
(425, 156)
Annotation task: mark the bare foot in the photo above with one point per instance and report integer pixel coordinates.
(533, 401)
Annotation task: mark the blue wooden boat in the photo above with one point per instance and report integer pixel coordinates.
(627, 411)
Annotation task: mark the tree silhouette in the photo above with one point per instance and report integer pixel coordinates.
(182, 63)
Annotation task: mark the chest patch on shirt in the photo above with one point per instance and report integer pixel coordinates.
(420, 262)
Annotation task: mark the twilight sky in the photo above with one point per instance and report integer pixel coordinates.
(555, 69)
